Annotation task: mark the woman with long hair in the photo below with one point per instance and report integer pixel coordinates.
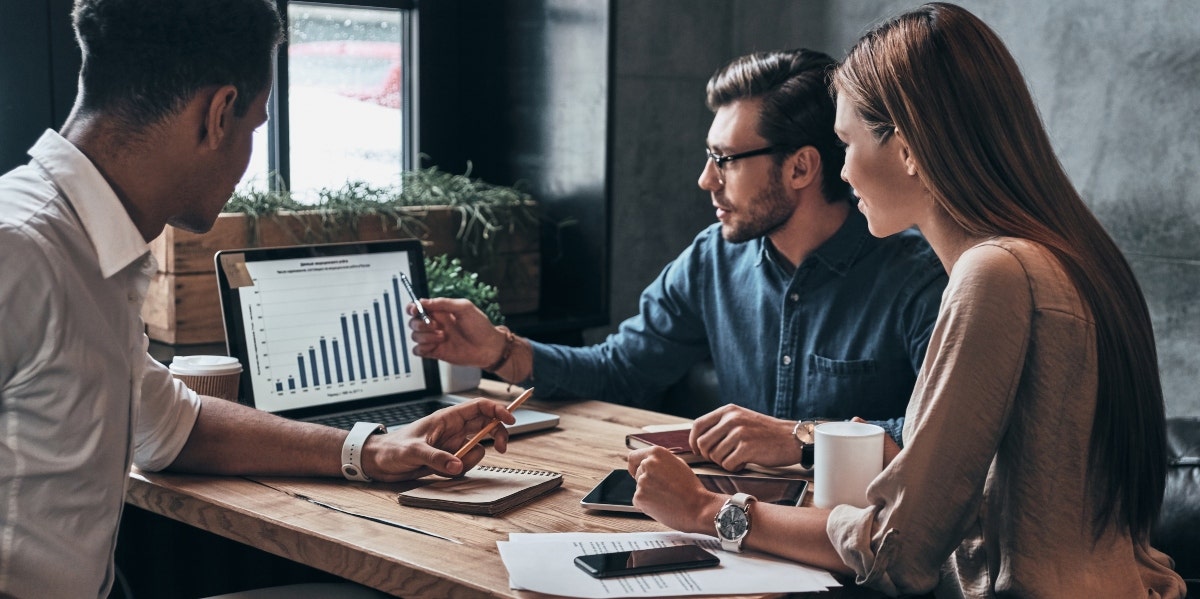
(1034, 459)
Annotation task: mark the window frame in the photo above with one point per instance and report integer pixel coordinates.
(279, 115)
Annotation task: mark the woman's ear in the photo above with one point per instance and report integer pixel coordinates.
(910, 163)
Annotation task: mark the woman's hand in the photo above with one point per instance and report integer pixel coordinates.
(669, 492)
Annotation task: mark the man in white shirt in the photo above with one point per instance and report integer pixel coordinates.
(170, 94)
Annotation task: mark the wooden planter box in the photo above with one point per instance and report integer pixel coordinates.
(183, 306)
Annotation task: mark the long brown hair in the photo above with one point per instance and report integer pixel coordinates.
(944, 78)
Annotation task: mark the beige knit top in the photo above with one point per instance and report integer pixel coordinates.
(989, 496)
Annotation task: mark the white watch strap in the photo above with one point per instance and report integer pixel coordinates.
(352, 449)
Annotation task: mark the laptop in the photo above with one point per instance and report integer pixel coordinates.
(322, 334)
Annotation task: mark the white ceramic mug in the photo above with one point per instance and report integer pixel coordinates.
(847, 456)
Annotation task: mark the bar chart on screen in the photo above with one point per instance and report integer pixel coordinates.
(330, 327)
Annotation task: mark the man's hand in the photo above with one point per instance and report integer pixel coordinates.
(669, 492)
(732, 436)
(460, 333)
(427, 446)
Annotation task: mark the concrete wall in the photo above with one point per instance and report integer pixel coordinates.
(1117, 83)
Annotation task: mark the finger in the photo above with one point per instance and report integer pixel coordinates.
(857, 419)
(444, 304)
(479, 412)
(414, 318)
(721, 451)
(708, 441)
(635, 460)
(736, 460)
(500, 439)
(472, 458)
(442, 462)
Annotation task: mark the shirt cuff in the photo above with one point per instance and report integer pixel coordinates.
(850, 531)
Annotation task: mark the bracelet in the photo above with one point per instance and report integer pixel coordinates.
(505, 353)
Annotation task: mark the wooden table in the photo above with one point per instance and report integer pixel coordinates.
(588, 443)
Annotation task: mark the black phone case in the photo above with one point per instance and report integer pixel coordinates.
(594, 572)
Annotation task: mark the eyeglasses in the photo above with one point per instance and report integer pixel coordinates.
(721, 160)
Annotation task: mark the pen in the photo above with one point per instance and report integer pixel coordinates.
(491, 426)
(412, 294)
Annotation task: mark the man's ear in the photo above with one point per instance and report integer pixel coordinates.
(802, 168)
(910, 163)
(218, 117)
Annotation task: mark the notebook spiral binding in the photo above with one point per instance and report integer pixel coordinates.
(516, 471)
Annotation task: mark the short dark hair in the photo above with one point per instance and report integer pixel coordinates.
(144, 59)
(797, 110)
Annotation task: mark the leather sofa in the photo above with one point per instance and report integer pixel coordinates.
(1177, 532)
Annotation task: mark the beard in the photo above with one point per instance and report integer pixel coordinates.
(763, 215)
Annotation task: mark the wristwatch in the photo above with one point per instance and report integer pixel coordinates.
(805, 433)
(733, 521)
(352, 449)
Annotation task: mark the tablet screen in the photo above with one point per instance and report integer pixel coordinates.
(615, 492)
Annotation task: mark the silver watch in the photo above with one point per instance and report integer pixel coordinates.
(733, 521)
(352, 449)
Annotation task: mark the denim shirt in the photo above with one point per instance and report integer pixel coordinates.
(842, 336)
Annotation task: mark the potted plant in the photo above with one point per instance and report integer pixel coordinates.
(448, 278)
(494, 230)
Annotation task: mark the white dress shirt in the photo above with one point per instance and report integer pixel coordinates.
(80, 399)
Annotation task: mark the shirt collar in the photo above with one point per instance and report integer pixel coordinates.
(838, 253)
(114, 237)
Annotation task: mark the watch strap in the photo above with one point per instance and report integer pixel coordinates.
(352, 449)
(805, 434)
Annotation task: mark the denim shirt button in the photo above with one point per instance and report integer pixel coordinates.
(795, 297)
(787, 360)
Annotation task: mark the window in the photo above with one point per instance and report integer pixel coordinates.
(343, 105)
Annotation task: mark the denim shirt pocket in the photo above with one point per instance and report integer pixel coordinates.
(841, 388)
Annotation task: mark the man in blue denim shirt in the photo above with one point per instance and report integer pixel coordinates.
(803, 312)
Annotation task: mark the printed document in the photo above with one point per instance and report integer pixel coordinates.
(545, 563)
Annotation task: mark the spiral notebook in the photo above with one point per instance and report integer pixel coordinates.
(486, 490)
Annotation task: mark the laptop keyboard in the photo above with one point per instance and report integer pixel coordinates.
(387, 415)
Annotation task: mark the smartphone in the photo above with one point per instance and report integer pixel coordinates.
(642, 561)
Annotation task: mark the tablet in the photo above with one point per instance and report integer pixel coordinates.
(615, 492)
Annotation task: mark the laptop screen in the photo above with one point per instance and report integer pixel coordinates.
(322, 328)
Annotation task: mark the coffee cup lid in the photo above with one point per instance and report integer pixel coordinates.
(205, 365)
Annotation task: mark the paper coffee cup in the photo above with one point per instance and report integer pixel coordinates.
(847, 456)
(217, 376)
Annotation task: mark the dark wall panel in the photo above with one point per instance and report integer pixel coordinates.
(39, 63)
(25, 100)
(520, 89)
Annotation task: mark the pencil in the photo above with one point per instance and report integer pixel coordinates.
(491, 426)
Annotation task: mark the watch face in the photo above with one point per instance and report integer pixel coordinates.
(732, 523)
(806, 433)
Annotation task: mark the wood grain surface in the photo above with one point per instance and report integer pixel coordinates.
(588, 443)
